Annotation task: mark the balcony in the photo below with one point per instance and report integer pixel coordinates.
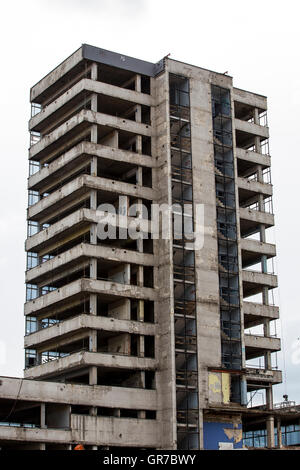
(77, 128)
(66, 103)
(253, 250)
(250, 189)
(77, 223)
(257, 345)
(254, 281)
(60, 393)
(249, 100)
(61, 264)
(79, 157)
(63, 332)
(257, 377)
(251, 219)
(248, 159)
(78, 190)
(142, 433)
(75, 293)
(82, 360)
(250, 129)
(255, 314)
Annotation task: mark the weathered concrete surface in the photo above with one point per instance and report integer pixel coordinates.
(91, 430)
(251, 128)
(112, 432)
(109, 289)
(263, 376)
(252, 99)
(255, 186)
(21, 434)
(256, 246)
(51, 142)
(91, 86)
(259, 310)
(83, 359)
(80, 153)
(164, 308)
(262, 342)
(72, 192)
(253, 157)
(76, 221)
(254, 277)
(95, 395)
(84, 250)
(256, 216)
(55, 74)
(47, 337)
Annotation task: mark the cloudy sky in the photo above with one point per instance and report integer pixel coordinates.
(256, 42)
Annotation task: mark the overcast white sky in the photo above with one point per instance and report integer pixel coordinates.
(257, 42)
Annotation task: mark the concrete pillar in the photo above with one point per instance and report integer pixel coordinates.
(138, 83)
(94, 134)
(270, 432)
(43, 416)
(138, 113)
(279, 434)
(94, 71)
(93, 375)
(257, 144)
(94, 102)
(256, 116)
(93, 341)
(93, 411)
(269, 398)
(201, 432)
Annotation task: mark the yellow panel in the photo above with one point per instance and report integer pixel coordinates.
(226, 387)
(214, 382)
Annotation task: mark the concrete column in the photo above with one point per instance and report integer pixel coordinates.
(94, 167)
(141, 346)
(43, 416)
(138, 113)
(270, 432)
(38, 358)
(279, 434)
(93, 375)
(270, 419)
(93, 410)
(201, 434)
(269, 398)
(94, 134)
(138, 83)
(93, 341)
(94, 71)
(94, 102)
(256, 116)
(257, 144)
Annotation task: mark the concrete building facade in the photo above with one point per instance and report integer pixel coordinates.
(136, 340)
